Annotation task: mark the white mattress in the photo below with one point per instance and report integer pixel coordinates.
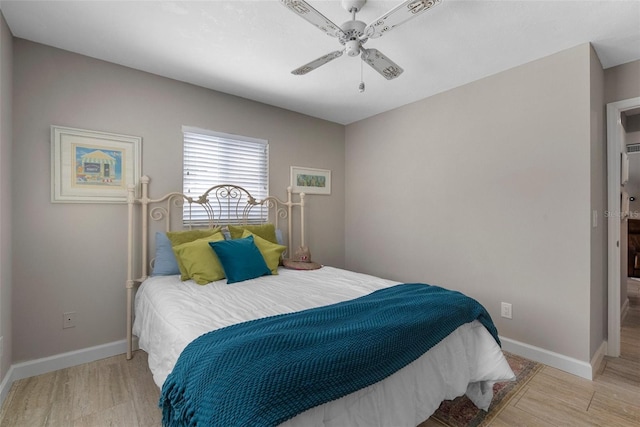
(169, 314)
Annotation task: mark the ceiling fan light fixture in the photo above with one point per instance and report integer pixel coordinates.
(352, 47)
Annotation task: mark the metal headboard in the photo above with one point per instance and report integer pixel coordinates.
(222, 204)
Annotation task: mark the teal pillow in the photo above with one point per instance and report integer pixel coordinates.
(241, 259)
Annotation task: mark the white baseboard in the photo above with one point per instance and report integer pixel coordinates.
(555, 360)
(32, 368)
(65, 360)
(5, 385)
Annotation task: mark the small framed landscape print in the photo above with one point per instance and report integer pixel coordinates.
(93, 167)
(310, 180)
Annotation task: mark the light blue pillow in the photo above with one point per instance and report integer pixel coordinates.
(226, 233)
(241, 259)
(165, 263)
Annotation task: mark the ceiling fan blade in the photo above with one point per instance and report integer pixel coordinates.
(304, 10)
(396, 16)
(386, 67)
(317, 63)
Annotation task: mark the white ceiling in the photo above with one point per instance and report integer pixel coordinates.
(248, 48)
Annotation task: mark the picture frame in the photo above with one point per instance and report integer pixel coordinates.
(310, 180)
(93, 167)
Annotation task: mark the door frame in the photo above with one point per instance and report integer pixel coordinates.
(615, 143)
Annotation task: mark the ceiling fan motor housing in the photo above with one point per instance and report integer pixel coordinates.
(353, 30)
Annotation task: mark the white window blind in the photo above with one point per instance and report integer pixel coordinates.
(213, 158)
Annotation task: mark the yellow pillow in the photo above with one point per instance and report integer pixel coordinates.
(271, 252)
(266, 231)
(179, 237)
(199, 261)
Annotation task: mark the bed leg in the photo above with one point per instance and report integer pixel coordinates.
(129, 320)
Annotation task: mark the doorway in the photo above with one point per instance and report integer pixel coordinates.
(616, 145)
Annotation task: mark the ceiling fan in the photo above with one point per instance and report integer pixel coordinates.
(353, 34)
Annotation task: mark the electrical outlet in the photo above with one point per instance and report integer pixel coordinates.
(69, 319)
(505, 310)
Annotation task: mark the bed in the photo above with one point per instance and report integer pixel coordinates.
(171, 317)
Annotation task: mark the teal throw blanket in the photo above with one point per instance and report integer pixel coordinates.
(266, 371)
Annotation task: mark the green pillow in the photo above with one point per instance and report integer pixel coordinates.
(266, 231)
(271, 252)
(184, 236)
(199, 262)
(179, 237)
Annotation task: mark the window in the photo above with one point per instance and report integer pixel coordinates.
(213, 158)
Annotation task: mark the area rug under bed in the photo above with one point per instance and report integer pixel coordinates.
(460, 412)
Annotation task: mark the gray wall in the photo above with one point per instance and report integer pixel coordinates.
(622, 82)
(486, 189)
(6, 86)
(72, 257)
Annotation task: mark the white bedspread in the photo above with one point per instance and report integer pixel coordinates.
(170, 314)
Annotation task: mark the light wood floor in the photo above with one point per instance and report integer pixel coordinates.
(117, 392)
(555, 398)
